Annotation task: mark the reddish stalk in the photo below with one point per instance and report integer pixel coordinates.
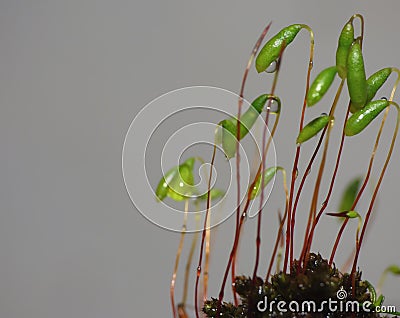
(321, 167)
(277, 241)
(188, 266)
(241, 222)
(289, 235)
(241, 95)
(325, 202)
(305, 175)
(282, 222)
(312, 215)
(198, 273)
(177, 258)
(371, 161)
(371, 205)
(262, 165)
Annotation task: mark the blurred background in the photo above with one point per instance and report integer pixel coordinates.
(73, 75)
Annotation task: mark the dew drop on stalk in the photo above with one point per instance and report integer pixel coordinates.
(272, 67)
(384, 98)
(273, 106)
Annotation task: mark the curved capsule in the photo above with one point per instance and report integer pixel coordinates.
(272, 49)
(362, 118)
(356, 79)
(350, 194)
(229, 126)
(345, 214)
(177, 183)
(268, 175)
(393, 269)
(312, 128)
(376, 80)
(345, 41)
(249, 117)
(320, 85)
(228, 136)
(374, 83)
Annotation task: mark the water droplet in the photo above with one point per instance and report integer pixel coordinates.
(198, 268)
(272, 67)
(296, 173)
(308, 172)
(272, 106)
(311, 64)
(384, 98)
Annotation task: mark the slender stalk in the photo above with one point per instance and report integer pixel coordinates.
(232, 257)
(289, 235)
(207, 259)
(262, 165)
(238, 196)
(371, 162)
(306, 174)
(282, 222)
(189, 265)
(177, 258)
(325, 202)
(198, 272)
(182, 312)
(371, 205)
(322, 164)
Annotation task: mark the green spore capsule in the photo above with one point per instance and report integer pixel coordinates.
(356, 79)
(249, 117)
(272, 49)
(376, 80)
(346, 39)
(313, 128)
(268, 175)
(350, 194)
(374, 83)
(363, 117)
(177, 183)
(393, 269)
(228, 135)
(320, 85)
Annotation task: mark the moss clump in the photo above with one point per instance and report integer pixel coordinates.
(317, 282)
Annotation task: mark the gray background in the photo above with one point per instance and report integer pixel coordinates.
(73, 74)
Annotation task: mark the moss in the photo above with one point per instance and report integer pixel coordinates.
(317, 282)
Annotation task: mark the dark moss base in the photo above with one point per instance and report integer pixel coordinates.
(315, 284)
